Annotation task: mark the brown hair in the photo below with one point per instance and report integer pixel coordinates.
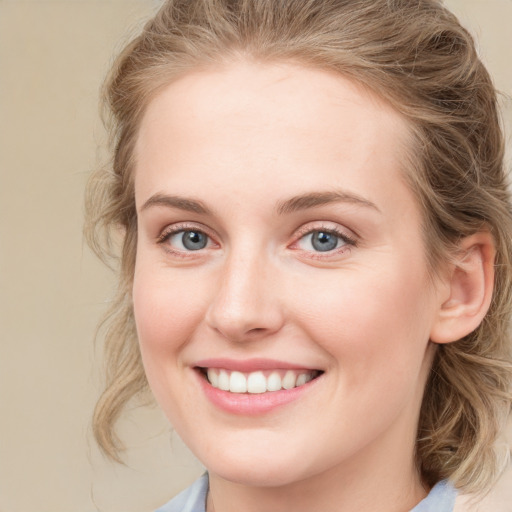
(415, 55)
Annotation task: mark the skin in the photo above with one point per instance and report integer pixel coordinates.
(240, 141)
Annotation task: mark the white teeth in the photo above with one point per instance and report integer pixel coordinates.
(213, 377)
(274, 382)
(223, 381)
(289, 380)
(301, 379)
(259, 381)
(237, 383)
(256, 383)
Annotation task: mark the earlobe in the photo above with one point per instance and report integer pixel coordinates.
(470, 284)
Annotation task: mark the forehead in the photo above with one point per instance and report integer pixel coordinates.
(247, 91)
(294, 126)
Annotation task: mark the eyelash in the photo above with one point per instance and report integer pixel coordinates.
(175, 229)
(347, 240)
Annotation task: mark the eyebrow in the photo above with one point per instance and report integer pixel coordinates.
(182, 203)
(315, 199)
(294, 204)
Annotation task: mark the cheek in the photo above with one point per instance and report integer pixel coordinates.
(375, 331)
(166, 311)
(371, 319)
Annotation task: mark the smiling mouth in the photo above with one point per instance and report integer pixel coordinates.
(257, 382)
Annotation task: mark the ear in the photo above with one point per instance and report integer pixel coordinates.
(467, 289)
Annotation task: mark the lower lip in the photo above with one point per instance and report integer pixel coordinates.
(248, 404)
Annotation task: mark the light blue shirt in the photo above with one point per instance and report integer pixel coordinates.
(193, 499)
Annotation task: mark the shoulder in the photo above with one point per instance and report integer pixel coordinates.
(440, 499)
(192, 499)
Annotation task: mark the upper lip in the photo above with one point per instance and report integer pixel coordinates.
(250, 365)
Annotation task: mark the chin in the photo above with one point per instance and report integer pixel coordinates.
(262, 476)
(252, 471)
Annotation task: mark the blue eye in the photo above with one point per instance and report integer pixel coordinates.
(322, 241)
(188, 240)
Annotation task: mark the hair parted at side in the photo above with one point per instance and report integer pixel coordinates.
(415, 55)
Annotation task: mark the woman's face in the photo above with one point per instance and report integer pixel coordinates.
(279, 248)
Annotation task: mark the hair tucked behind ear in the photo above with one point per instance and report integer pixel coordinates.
(415, 55)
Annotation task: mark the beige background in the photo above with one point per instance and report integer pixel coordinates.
(53, 55)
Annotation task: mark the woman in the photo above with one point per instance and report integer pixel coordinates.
(315, 273)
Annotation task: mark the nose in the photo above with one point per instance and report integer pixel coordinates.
(246, 305)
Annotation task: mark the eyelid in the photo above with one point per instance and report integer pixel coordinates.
(348, 236)
(330, 227)
(173, 229)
